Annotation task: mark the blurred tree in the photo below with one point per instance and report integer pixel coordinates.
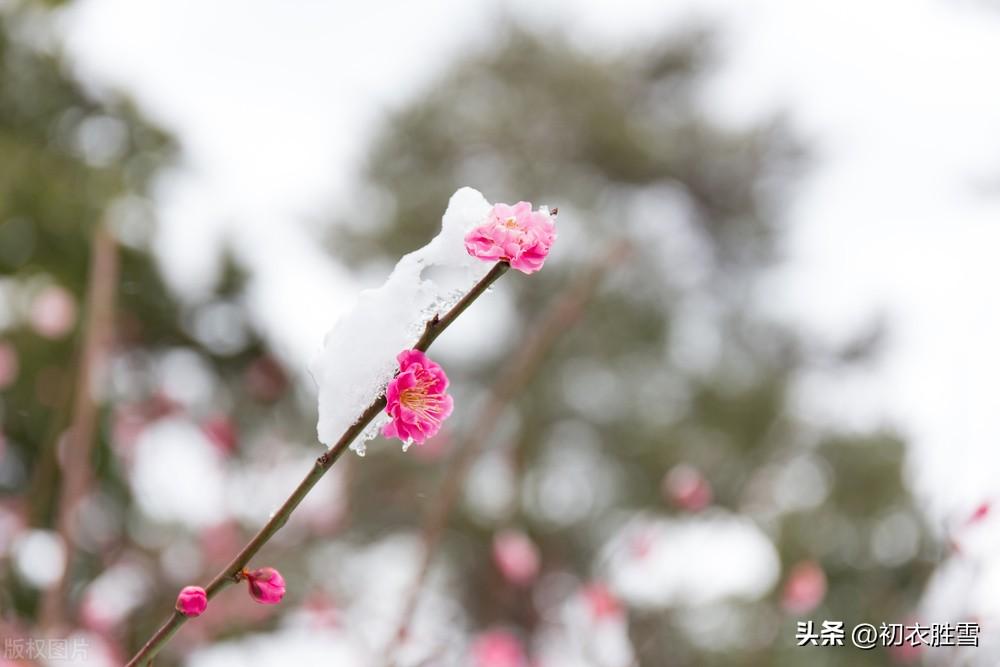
(674, 366)
(69, 164)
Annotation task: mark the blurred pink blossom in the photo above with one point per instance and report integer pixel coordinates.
(498, 648)
(516, 556)
(515, 234)
(131, 419)
(980, 513)
(804, 588)
(219, 541)
(8, 364)
(601, 602)
(221, 431)
(912, 648)
(906, 653)
(687, 488)
(265, 379)
(970, 524)
(96, 613)
(266, 585)
(192, 601)
(53, 312)
(320, 611)
(416, 399)
(641, 543)
(13, 521)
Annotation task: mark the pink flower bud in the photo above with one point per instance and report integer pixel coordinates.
(267, 586)
(192, 601)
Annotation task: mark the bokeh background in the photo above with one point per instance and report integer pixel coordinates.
(780, 406)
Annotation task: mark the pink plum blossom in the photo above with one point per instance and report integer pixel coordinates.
(416, 399)
(516, 556)
(266, 584)
(804, 589)
(53, 312)
(498, 648)
(192, 601)
(687, 488)
(513, 234)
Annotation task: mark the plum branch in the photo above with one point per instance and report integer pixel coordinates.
(231, 573)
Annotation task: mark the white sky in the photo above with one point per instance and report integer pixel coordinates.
(274, 102)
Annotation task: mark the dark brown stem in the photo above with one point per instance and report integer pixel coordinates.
(230, 573)
(562, 315)
(436, 325)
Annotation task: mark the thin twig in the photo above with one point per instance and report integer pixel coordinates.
(76, 468)
(562, 315)
(229, 574)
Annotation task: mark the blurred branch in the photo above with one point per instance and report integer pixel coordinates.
(76, 465)
(230, 574)
(563, 314)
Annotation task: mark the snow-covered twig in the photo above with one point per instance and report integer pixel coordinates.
(231, 573)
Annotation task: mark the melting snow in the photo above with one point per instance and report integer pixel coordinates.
(358, 357)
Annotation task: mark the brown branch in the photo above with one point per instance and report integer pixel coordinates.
(229, 574)
(562, 315)
(76, 468)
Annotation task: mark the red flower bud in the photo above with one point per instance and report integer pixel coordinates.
(192, 601)
(267, 586)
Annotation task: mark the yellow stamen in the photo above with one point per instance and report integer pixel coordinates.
(417, 399)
